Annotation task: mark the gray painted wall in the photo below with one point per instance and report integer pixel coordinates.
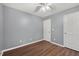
(1, 26)
(57, 24)
(21, 28)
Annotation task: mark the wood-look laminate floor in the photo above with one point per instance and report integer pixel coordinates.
(42, 48)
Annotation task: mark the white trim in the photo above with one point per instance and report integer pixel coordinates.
(55, 43)
(58, 44)
(44, 39)
(28, 44)
(1, 53)
(20, 46)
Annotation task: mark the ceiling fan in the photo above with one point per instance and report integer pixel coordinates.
(44, 7)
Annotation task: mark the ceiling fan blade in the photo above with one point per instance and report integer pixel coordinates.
(52, 8)
(37, 8)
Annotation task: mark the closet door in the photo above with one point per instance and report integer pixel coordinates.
(71, 31)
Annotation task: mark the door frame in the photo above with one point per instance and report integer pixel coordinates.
(50, 30)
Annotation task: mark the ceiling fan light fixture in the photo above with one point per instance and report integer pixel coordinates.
(48, 8)
(43, 9)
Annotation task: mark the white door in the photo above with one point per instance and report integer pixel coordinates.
(47, 30)
(71, 31)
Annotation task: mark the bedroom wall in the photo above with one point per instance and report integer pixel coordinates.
(1, 26)
(57, 25)
(21, 28)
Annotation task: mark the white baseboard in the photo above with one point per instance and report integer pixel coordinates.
(20, 46)
(28, 44)
(55, 43)
(1, 53)
(58, 44)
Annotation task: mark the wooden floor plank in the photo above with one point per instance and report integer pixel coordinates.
(42, 48)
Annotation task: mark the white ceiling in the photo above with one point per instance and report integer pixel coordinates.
(30, 7)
